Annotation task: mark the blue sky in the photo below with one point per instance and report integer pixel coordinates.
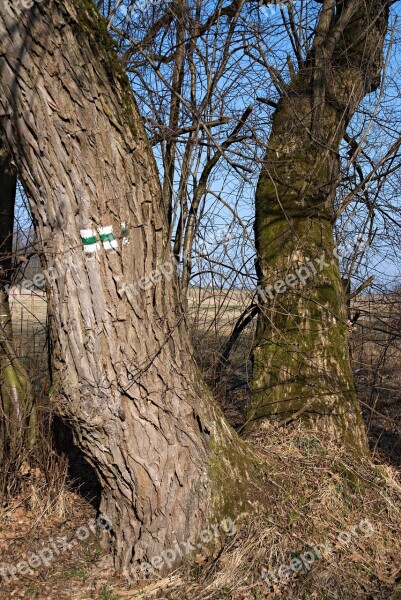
(383, 259)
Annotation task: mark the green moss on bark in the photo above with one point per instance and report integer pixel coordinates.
(301, 366)
(232, 469)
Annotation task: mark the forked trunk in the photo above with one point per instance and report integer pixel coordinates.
(301, 362)
(124, 376)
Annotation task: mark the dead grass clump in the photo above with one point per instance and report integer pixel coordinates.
(51, 495)
(337, 517)
(46, 496)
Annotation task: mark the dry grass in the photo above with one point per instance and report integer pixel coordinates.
(313, 492)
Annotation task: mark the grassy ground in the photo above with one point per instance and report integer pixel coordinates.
(311, 493)
(314, 495)
(64, 564)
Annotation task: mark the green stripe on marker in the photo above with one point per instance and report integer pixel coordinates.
(107, 237)
(88, 241)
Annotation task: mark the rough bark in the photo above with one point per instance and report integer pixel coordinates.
(17, 408)
(124, 377)
(301, 362)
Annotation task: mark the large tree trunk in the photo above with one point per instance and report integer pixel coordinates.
(17, 408)
(301, 362)
(124, 376)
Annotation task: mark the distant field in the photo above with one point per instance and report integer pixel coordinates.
(212, 316)
(209, 309)
(29, 312)
(212, 310)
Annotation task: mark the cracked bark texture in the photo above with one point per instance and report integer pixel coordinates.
(123, 373)
(301, 362)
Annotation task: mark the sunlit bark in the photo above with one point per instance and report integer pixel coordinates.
(301, 363)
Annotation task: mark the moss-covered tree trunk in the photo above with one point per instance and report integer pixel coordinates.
(301, 362)
(123, 372)
(17, 408)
